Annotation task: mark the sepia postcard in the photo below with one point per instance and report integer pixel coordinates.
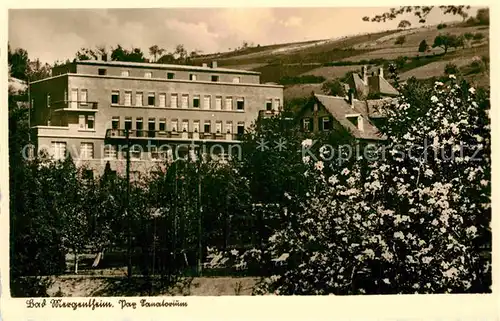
(318, 162)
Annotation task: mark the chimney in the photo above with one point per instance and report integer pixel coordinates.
(364, 74)
(204, 65)
(360, 123)
(214, 64)
(351, 98)
(381, 72)
(104, 57)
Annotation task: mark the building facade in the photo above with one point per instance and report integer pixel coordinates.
(87, 108)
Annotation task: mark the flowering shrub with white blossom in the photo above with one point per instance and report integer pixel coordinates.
(414, 220)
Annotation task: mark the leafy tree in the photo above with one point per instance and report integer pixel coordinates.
(18, 63)
(168, 58)
(333, 88)
(403, 24)
(423, 46)
(180, 52)
(400, 40)
(441, 26)
(133, 55)
(156, 51)
(446, 41)
(478, 36)
(483, 16)
(412, 221)
(451, 69)
(86, 54)
(37, 70)
(419, 11)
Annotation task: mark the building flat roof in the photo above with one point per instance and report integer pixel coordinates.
(164, 66)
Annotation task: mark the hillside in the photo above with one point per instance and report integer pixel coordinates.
(303, 66)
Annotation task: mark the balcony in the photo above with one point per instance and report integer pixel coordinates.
(73, 105)
(120, 134)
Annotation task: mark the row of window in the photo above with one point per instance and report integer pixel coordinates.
(228, 103)
(110, 151)
(174, 125)
(169, 75)
(81, 97)
(325, 123)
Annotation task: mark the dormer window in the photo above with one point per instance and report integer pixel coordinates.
(215, 78)
(148, 74)
(101, 72)
(192, 77)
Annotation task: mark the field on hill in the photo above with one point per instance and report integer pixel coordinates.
(333, 58)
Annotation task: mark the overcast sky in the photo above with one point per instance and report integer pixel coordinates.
(56, 34)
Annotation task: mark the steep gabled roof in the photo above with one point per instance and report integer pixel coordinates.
(340, 108)
(385, 88)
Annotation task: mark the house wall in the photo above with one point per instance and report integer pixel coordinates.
(99, 91)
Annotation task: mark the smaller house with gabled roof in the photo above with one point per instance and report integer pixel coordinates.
(359, 118)
(364, 86)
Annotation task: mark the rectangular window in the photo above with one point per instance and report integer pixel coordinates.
(218, 127)
(138, 99)
(48, 100)
(154, 152)
(276, 104)
(327, 124)
(151, 99)
(241, 128)
(148, 74)
(128, 98)
(128, 123)
(170, 75)
(215, 78)
(151, 127)
(101, 71)
(185, 101)
(162, 124)
(59, 150)
(125, 73)
(307, 125)
(110, 151)
(218, 103)
(83, 97)
(207, 126)
(90, 122)
(135, 152)
(162, 98)
(115, 97)
(240, 103)
(192, 77)
(236, 80)
(138, 127)
(173, 124)
(173, 101)
(115, 122)
(196, 101)
(86, 150)
(269, 104)
(206, 102)
(229, 103)
(185, 126)
(196, 126)
(82, 121)
(229, 127)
